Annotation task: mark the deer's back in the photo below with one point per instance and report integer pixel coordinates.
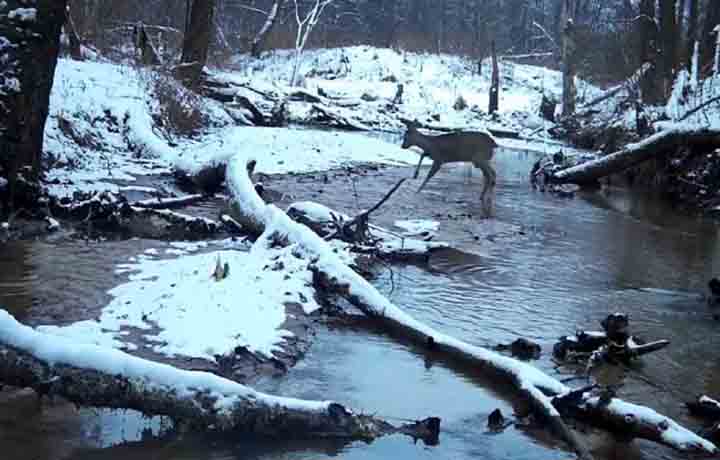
(461, 146)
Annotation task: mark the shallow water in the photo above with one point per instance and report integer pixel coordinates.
(541, 268)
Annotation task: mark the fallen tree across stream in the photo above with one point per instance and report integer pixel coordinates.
(89, 375)
(549, 398)
(636, 153)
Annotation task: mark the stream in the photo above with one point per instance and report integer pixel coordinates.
(543, 267)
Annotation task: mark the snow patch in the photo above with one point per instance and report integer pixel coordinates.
(183, 311)
(23, 14)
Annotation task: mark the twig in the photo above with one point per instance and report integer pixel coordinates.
(700, 107)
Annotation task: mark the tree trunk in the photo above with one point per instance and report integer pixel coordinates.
(568, 57)
(692, 29)
(144, 46)
(633, 154)
(669, 43)
(708, 39)
(495, 83)
(73, 38)
(257, 43)
(649, 84)
(198, 36)
(29, 44)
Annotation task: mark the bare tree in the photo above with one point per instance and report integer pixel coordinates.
(257, 43)
(305, 25)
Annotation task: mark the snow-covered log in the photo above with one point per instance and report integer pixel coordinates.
(635, 153)
(275, 227)
(704, 406)
(88, 375)
(170, 203)
(624, 418)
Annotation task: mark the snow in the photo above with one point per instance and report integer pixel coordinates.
(414, 227)
(102, 129)
(282, 150)
(182, 311)
(674, 434)
(432, 83)
(23, 14)
(55, 349)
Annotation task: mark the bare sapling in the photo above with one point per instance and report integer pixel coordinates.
(305, 26)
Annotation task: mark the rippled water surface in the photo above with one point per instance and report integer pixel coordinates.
(541, 268)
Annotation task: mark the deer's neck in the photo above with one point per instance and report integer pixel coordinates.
(425, 143)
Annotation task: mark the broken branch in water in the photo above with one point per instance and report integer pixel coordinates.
(89, 375)
(331, 273)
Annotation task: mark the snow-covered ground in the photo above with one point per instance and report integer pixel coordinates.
(182, 310)
(431, 83)
(103, 125)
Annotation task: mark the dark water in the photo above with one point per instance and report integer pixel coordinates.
(541, 268)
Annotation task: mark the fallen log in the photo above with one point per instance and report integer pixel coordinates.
(704, 406)
(275, 227)
(632, 81)
(325, 115)
(88, 375)
(636, 153)
(625, 419)
(169, 203)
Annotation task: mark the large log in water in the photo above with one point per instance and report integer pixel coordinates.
(636, 153)
(275, 227)
(88, 375)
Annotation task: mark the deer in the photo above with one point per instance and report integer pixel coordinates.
(467, 146)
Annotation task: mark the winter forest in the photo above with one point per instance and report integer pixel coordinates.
(294, 229)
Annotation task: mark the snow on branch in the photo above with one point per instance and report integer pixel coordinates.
(89, 375)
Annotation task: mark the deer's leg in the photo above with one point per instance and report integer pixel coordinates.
(489, 176)
(417, 170)
(433, 170)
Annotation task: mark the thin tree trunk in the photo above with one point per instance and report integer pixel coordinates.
(708, 38)
(196, 44)
(30, 44)
(568, 57)
(73, 38)
(668, 40)
(692, 28)
(495, 84)
(649, 84)
(257, 43)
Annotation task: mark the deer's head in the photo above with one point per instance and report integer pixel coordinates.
(410, 134)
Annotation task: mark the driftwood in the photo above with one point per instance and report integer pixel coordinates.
(325, 115)
(613, 344)
(636, 153)
(88, 375)
(539, 389)
(704, 406)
